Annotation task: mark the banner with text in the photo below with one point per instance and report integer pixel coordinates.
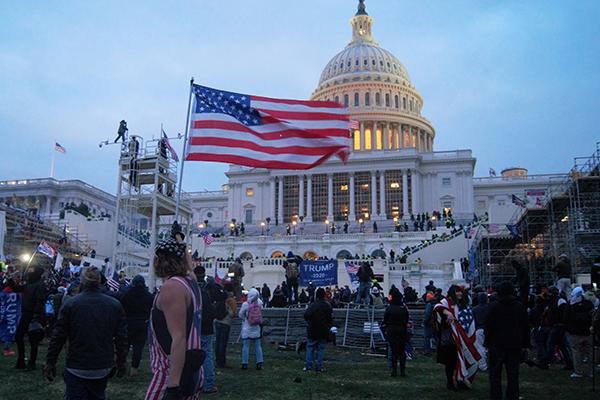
(319, 272)
(352, 270)
(10, 312)
(535, 198)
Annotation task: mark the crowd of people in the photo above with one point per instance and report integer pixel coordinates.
(187, 324)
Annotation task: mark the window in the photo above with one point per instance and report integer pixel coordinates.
(341, 65)
(446, 182)
(377, 99)
(367, 99)
(381, 63)
(411, 104)
(341, 196)
(394, 185)
(290, 197)
(356, 62)
(356, 99)
(378, 139)
(356, 139)
(366, 62)
(396, 104)
(249, 192)
(501, 202)
(404, 103)
(349, 64)
(373, 62)
(337, 99)
(248, 216)
(481, 204)
(346, 101)
(387, 99)
(367, 139)
(209, 214)
(447, 205)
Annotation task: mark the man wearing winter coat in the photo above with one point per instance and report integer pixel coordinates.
(319, 316)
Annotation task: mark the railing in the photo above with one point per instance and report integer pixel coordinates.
(54, 182)
(498, 179)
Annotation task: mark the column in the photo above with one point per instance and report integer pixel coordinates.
(362, 135)
(415, 191)
(401, 136)
(330, 197)
(280, 201)
(48, 207)
(382, 209)
(352, 212)
(386, 136)
(374, 136)
(272, 198)
(373, 210)
(405, 193)
(308, 199)
(230, 203)
(301, 196)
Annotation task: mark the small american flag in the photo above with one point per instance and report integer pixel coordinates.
(113, 282)
(59, 148)
(168, 144)
(207, 238)
(353, 124)
(46, 249)
(263, 132)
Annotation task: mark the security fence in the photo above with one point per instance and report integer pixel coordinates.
(357, 327)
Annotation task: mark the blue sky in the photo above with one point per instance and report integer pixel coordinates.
(517, 82)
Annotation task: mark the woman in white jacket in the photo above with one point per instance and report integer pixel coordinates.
(251, 332)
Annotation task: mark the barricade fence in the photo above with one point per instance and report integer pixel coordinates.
(357, 327)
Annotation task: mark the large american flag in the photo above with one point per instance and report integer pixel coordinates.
(263, 132)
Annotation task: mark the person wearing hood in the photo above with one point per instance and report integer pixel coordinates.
(319, 316)
(563, 274)
(251, 316)
(377, 298)
(578, 324)
(137, 303)
(506, 336)
(32, 317)
(395, 323)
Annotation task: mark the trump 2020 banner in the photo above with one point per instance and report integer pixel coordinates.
(319, 272)
(10, 312)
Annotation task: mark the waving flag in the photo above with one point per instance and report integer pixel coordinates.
(207, 238)
(518, 201)
(113, 282)
(264, 132)
(168, 144)
(59, 148)
(46, 249)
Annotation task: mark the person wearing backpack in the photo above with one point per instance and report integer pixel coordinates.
(226, 309)
(251, 316)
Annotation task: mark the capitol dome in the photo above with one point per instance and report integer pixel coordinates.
(376, 88)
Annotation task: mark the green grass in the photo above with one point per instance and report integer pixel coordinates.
(349, 375)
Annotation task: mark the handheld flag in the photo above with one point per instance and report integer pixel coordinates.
(264, 132)
(46, 249)
(207, 238)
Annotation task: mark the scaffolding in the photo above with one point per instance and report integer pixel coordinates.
(567, 223)
(146, 202)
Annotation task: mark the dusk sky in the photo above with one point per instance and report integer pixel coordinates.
(517, 82)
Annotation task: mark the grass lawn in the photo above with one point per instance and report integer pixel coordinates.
(349, 375)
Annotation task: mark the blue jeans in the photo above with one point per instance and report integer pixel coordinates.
(311, 344)
(221, 339)
(257, 350)
(207, 344)
(364, 292)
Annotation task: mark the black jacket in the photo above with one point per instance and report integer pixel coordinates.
(507, 325)
(96, 328)
(34, 300)
(563, 269)
(319, 316)
(395, 321)
(365, 273)
(137, 303)
(579, 317)
(209, 311)
(480, 314)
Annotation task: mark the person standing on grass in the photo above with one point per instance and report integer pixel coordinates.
(95, 327)
(32, 316)
(506, 336)
(226, 310)
(207, 331)
(395, 322)
(578, 323)
(480, 313)
(175, 351)
(251, 316)
(137, 302)
(319, 316)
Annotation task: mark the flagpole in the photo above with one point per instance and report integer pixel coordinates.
(52, 163)
(187, 125)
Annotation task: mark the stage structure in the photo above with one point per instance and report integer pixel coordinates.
(146, 202)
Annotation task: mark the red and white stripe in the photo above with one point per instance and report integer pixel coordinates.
(294, 134)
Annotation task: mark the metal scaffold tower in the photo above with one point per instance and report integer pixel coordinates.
(568, 222)
(146, 204)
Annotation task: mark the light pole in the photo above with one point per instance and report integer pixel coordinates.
(294, 227)
(326, 226)
(262, 228)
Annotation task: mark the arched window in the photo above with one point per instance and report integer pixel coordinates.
(356, 139)
(346, 100)
(367, 99)
(368, 139)
(344, 255)
(377, 99)
(411, 104)
(387, 99)
(356, 102)
(404, 103)
(396, 104)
